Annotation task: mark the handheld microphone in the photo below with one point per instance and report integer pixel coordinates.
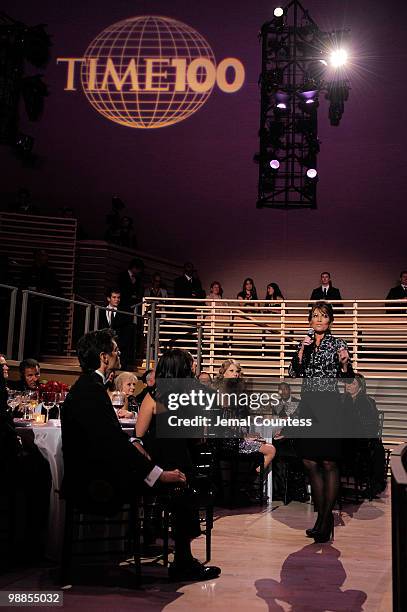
(310, 334)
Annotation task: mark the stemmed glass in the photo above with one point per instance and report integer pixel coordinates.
(13, 399)
(59, 400)
(118, 399)
(48, 401)
(25, 406)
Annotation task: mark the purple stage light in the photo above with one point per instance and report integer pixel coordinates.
(275, 164)
(311, 173)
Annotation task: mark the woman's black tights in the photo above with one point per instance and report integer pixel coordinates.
(324, 480)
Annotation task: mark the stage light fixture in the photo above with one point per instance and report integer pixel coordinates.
(278, 12)
(311, 173)
(274, 164)
(338, 58)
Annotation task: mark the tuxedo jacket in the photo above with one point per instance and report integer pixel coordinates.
(332, 294)
(396, 293)
(102, 468)
(117, 322)
(183, 288)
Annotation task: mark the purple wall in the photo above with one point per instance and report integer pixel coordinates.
(191, 187)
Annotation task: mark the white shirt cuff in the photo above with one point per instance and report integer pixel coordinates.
(153, 476)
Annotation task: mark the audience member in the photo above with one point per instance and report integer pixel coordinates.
(399, 292)
(273, 295)
(148, 378)
(127, 234)
(205, 378)
(215, 291)
(294, 488)
(231, 384)
(29, 376)
(40, 277)
(131, 284)
(113, 219)
(126, 382)
(325, 291)
(110, 318)
(248, 291)
(364, 427)
(23, 203)
(4, 366)
(156, 289)
(103, 467)
(188, 285)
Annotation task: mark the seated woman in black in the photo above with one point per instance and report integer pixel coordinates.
(248, 291)
(364, 429)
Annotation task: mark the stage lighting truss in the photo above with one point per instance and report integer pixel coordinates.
(301, 65)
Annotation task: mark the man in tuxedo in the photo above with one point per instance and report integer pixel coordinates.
(103, 467)
(325, 291)
(399, 292)
(131, 285)
(110, 318)
(188, 285)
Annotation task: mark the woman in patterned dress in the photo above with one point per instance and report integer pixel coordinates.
(321, 359)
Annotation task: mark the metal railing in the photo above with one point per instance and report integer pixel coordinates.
(263, 337)
(398, 464)
(24, 311)
(18, 303)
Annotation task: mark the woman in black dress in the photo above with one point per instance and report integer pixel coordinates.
(321, 359)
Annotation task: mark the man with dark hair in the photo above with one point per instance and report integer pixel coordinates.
(29, 376)
(399, 292)
(102, 466)
(130, 283)
(188, 285)
(325, 291)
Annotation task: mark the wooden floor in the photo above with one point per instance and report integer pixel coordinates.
(268, 565)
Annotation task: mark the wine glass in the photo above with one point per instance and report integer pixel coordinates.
(59, 400)
(13, 399)
(33, 399)
(118, 399)
(25, 406)
(48, 401)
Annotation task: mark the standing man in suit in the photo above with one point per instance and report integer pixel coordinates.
(188, 285)
(103, 467)
(131, 285)
(325, 291)
(118, 322)
(399, 292)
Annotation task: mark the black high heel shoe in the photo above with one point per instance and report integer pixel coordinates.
(313, 530)
(326, 534)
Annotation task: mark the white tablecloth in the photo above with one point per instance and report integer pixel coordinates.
(48, 440)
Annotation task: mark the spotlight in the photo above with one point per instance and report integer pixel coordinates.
(282, 105)
(338, 58)
(311, 173)
(278, 20)
(274, 164)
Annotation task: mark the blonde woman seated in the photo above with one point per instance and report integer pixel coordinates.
(126, 383)
(230, 380)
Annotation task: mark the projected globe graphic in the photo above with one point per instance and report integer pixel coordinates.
(137, 72)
